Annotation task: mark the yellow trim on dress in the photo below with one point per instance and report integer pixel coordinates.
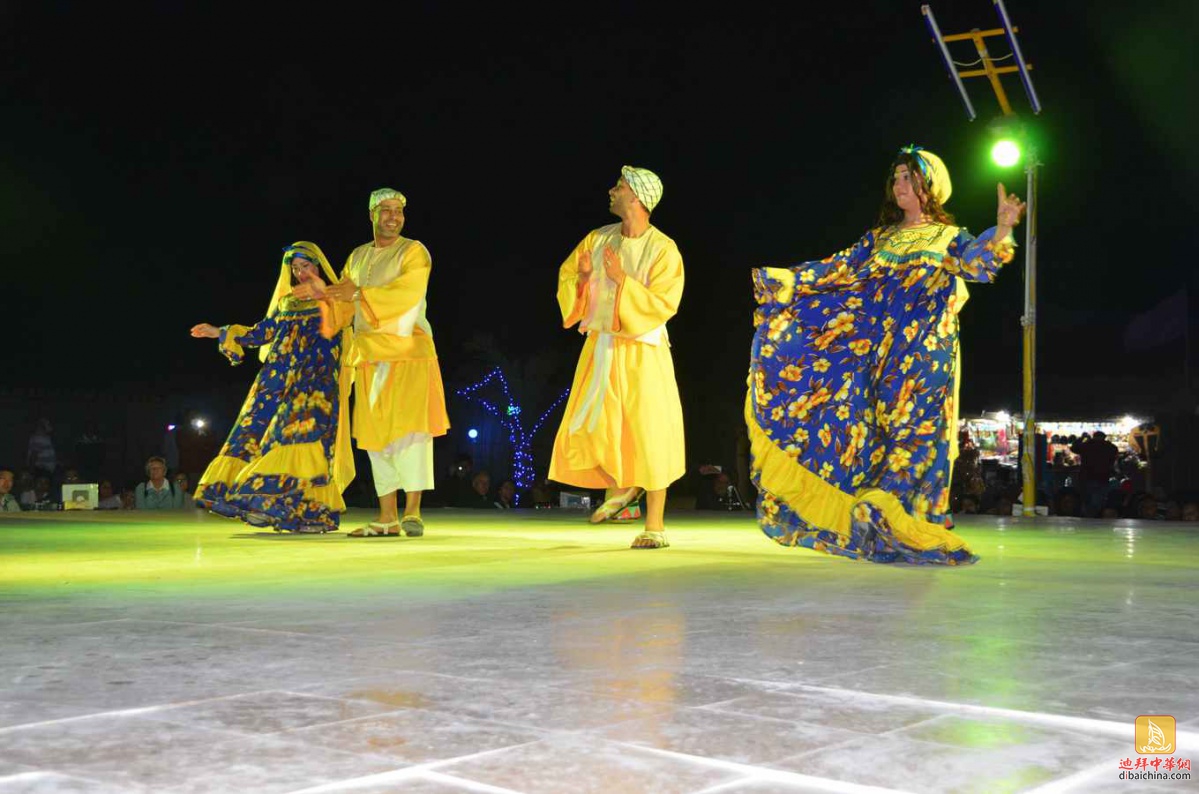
(827, 507)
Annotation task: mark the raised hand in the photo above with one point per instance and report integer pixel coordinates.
(1011, 208)
(585, 264)
(205, 331)
(612, 265)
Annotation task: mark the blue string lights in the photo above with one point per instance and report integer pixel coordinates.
(508, 415)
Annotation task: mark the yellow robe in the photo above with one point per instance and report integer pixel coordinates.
(397, 379)
(623, 424)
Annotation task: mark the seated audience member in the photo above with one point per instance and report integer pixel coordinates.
(969, 505)
(1003, 505)
(505, 495)
(543, 494)
(108, 499)
(184, 486)
(38, 497)
(157, 493)
(478, 497)
(1068, 503)
(1146, 508)
(8, 502)
(713, 491)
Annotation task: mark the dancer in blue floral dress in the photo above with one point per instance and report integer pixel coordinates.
(288, 458)
(852, 404)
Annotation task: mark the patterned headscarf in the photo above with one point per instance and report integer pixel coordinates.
(646, 185)
(299, 249)
(936, 175)
(313, 253)
(385, 193)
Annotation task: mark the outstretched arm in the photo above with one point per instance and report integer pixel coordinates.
(781, 285)
(234, 338)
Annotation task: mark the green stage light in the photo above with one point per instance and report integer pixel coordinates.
(1005, 153)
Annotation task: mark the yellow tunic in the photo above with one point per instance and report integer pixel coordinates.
(623, 424)
(397, 380)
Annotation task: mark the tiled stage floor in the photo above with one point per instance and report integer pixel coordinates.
(529, 652)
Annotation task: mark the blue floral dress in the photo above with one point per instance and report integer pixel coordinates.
(275, 468)
(852, 403)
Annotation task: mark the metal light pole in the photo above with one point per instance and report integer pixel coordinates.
(1029, 462)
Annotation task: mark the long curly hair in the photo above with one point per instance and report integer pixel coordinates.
(890, 214)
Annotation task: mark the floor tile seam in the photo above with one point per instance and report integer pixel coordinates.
(783, 720)
(124, 787)
(829, 785)
(1072, 676)
(888, 732)
(34, 774)
(1078, 780)
(412, 771)
(136, 711)
(544, 732)
(434, 708)
(770, 774)
(415, 771)
(1083, 725)
(467, 783)
(75, 624)
(225, 626)
(398, 775)
(900, 733)
(133, 712)
(285, 735)
(1149, 660)
(365, 678)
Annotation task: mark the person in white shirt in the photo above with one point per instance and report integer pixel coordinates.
(157, 493)
(8, 502)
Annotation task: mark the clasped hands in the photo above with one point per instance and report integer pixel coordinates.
(316, 290)
(612, 266)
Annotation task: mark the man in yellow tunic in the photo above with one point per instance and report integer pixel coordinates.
(623, 427)
(399, 401)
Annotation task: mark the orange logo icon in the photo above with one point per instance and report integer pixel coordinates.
(1156, 734)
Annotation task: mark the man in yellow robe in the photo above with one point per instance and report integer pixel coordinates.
(623, 427)
(399, 400)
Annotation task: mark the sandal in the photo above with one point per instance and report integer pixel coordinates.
(413, 527)
(650, 540)
(312, 529)
(375, 529)
(616, 504)
(630, 513)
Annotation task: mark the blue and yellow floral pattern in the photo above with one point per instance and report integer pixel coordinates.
(852, 403)
(275, 467)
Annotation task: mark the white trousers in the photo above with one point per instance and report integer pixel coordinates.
(406, 464)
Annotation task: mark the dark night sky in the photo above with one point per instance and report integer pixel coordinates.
(156, 157)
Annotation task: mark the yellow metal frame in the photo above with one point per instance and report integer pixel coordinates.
(1028, 460)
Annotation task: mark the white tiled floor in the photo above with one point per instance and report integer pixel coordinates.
(722, 674)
